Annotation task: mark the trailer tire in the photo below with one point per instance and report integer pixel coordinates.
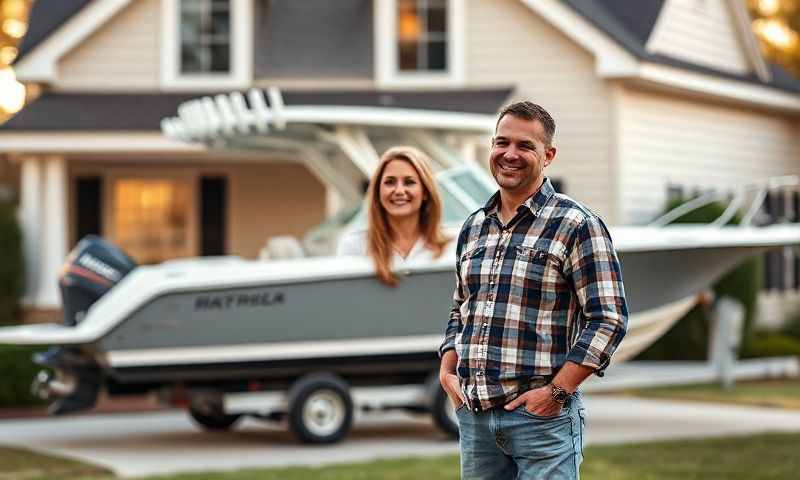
(215, 422)
(320, 408)
(444, 415)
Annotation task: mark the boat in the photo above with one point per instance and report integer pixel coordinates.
(313, 340)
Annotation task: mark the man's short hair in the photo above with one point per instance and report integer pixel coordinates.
(530, 111)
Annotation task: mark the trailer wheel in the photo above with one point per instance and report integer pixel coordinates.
(320, 409)
(213, 421)
(443, 412)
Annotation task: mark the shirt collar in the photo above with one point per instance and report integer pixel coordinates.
(534, 203)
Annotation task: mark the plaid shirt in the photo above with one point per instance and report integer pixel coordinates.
(531, 295)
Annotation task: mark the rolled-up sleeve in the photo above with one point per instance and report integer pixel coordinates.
(593, 269)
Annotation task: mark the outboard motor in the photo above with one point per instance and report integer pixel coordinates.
(92, 268)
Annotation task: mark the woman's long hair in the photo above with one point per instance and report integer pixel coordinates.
(379, 236)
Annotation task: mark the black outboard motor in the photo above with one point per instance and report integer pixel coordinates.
(92, 268)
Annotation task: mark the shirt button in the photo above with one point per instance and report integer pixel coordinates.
(476, 410)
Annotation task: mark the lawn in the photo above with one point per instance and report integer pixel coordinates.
(19, 464)
(768, 456)
(767, 393)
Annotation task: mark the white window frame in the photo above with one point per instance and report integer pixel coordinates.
(387, 71)
(241, 73)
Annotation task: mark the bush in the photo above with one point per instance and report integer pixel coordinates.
(11, 264)
(17, 371)
(770, 345)
(688, 338)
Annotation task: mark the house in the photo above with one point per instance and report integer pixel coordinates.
(651, 98)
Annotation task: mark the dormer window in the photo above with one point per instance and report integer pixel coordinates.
(207, 44)
(422, 35)
(205, 36)
(419, 42)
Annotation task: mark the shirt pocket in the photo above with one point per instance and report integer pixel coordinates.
(537, 275)
(471, 268)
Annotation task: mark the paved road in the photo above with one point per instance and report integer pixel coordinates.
(167, 442)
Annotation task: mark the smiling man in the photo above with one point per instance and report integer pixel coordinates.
(538, 307)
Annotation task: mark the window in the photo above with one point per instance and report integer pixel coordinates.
(206, 44)
(419, 42)
(205, 27)
(422, 35)
(151, 219)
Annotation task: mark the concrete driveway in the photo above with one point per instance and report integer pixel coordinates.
(167, 442)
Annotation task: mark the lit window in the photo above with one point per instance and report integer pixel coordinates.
(205, 36)
(151, 219)
(422, 35)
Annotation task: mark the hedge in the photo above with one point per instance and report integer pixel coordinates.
(17, 371)
(12, 276)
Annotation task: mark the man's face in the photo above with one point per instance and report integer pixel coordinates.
(519, 154)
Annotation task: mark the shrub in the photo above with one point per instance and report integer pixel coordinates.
(11, 264)
(770, 345)
(17, 371)
(688, 338)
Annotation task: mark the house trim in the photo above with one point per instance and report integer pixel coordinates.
(241, 74)
(86, 142)
(749, 41)
(41, 64)
(387, 74)
(717, 87)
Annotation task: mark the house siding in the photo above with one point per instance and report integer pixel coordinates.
(269, 200)
(123, 55)
(314, 39)
(704, 32)
(665, 139)
(546, 67)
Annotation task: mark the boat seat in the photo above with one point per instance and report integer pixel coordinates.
(281, 247)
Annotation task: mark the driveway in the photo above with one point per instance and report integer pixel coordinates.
(167, 442)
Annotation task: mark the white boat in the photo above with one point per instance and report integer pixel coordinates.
(215, 333)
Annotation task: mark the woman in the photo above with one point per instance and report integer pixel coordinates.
(404, 214)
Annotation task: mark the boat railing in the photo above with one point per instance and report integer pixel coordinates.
(747, 198)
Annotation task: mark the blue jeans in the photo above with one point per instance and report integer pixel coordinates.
(498, 444)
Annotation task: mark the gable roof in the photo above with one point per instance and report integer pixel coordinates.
(630, 24)
(45, 17)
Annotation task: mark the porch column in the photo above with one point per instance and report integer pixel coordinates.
(30, 219)
(54, 240)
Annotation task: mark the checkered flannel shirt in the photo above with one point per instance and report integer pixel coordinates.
(544, 289)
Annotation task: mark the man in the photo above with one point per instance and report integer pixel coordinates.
(538, 307)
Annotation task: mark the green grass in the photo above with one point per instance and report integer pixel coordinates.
(20, 464)
(768, 456)
(767, 393)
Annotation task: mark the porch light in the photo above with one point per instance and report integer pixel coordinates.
(768, 7)
(12, 93)
(8, 54)
(15, 28)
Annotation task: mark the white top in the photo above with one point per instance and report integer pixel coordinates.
(355, 243)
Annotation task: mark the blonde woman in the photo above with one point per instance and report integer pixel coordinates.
(404, 214)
